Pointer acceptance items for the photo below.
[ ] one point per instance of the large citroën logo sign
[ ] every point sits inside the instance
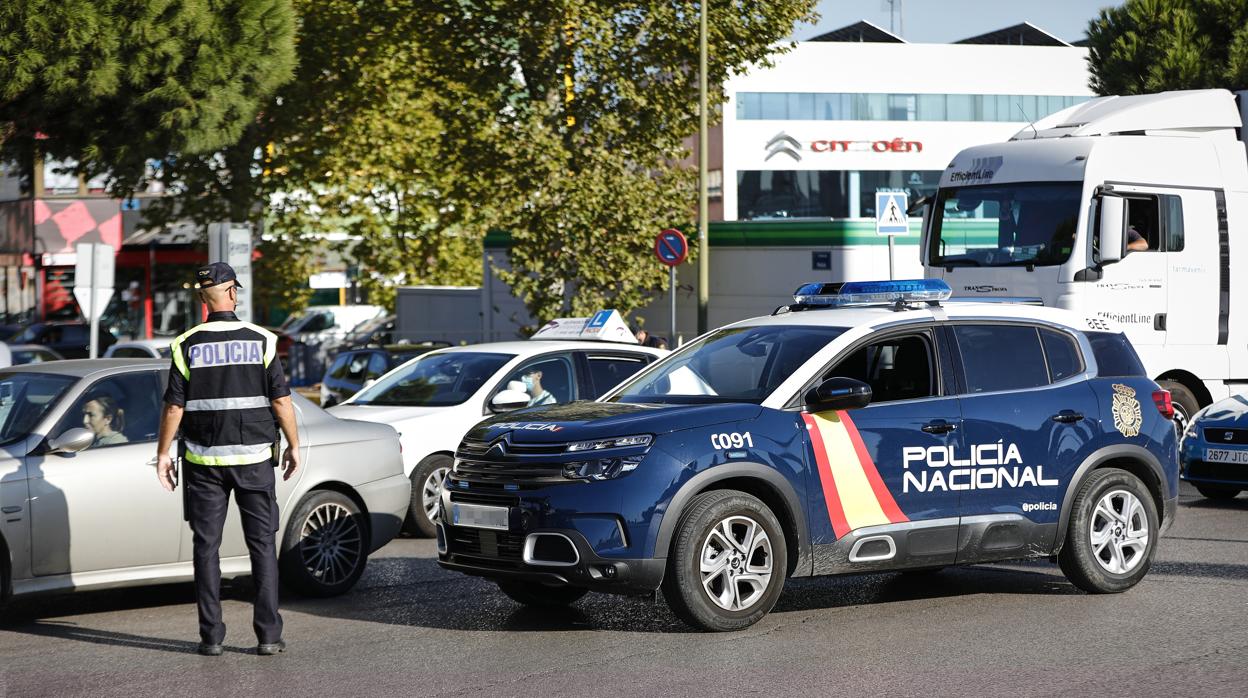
(783, 143)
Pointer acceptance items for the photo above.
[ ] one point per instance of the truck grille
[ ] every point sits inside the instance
(1226, 436)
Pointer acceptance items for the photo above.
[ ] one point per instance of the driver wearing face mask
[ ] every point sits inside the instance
(533, 385)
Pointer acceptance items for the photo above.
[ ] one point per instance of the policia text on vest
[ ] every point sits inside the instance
(228, 395)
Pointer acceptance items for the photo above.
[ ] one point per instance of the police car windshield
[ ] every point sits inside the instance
(1003, 225)
(25, 398)
(737, 364)
(434, 380)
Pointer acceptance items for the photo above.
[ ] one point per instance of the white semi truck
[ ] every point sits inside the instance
(1132, 209)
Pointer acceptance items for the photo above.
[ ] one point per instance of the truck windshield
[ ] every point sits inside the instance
(434, 380)
(1003, 225)
(735, 364)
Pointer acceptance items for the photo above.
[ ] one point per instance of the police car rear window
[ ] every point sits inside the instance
(1114, 355)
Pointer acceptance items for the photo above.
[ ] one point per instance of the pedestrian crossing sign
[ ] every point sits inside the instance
(890, 213)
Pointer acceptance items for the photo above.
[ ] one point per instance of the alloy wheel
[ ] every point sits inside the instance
(736, 563)
(1119, 531)
(431, 492)
(330, 543)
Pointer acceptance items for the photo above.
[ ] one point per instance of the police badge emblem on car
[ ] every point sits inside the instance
(1126, 409)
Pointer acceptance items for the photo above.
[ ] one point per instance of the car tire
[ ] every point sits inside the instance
(541, 595)
(426, 502)
(1112, 534)
(725, 539)
(1185, 403)
(325, 548)
(1219, 492)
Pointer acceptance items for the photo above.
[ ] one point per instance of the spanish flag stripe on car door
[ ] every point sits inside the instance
(855, 494)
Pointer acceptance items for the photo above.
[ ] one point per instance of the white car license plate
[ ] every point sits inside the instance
(479, 516)
(1226, 455)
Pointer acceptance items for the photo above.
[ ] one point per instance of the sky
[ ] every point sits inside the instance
(944, 21)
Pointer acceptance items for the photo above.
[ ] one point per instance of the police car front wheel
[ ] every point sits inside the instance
(728, 562)
(1112, 534)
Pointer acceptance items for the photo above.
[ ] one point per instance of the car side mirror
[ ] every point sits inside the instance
(838, 393)
(1112, 247)
(507, 400)
(72, 441)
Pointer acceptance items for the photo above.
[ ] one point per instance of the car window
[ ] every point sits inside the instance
(73, 334)
(318, 323)
(31, 356)
(548, 381)
(607, 371)
(734, 364)
(896, 368)
(1114, 354)
(1062, 353)
(376, 366)
(338, 369)
(130, 353)
(119, 410)
(356, 366)
(434, 380)
(25, 398)
(1001, 357)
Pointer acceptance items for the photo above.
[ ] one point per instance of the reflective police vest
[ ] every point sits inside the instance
(228, 418)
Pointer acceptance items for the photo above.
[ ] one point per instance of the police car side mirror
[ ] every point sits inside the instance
(1112, 245)
(838, 393)
(72, 441)
(508, 400)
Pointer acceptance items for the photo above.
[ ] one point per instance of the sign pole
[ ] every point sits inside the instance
(95, 317)
(891, 220)
(671, 247)
(891, 276)
(671, 291)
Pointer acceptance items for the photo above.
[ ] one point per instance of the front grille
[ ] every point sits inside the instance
(478, 497)
(1220, 436)
(502, 461)
(485, 544)
(1200, 470)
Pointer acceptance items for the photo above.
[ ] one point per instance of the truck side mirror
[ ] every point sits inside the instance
(838, 393)
(1112, 247)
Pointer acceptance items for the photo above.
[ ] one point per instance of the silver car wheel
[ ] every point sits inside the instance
(1119, 531)
(431, 492)
(330, 543)
(736, 563)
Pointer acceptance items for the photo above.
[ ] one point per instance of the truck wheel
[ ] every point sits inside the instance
(728, 562)
(540, 595)
(1221, 492)
(426, 502)
(325, 549)
(1112, 534)
(1184, 401)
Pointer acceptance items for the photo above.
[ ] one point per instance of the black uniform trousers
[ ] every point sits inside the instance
(208, 491)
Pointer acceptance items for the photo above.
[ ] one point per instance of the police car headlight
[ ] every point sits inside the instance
(600, 468)
(614, 442)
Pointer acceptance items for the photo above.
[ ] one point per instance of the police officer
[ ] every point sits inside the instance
(225, 391)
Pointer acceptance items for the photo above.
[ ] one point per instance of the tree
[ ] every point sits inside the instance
(1157, 45)
(570, 116)
(111, 83)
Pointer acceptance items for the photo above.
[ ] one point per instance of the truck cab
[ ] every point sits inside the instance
(1122, 209)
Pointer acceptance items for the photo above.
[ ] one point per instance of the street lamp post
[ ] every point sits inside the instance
(704, 245)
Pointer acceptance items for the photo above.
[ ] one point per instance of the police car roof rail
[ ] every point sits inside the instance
(900, 295)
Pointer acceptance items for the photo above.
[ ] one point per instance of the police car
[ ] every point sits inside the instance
(866, 429)
(434, 399)
(1214, 451)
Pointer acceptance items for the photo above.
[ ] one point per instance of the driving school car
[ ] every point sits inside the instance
(1214, 452)
(862, 429)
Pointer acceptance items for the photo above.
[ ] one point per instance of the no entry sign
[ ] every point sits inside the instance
(671, 247)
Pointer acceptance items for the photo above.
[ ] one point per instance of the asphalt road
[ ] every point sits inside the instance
(410, 628)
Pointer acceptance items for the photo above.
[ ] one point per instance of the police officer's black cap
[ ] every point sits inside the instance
(215, 274)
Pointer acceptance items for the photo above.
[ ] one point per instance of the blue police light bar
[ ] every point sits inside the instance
(867, 292)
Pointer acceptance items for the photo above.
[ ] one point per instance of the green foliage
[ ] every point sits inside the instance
(111, 83)
(1156, 45)
(570, 117)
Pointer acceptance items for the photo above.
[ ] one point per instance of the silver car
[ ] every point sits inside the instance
(80, 506)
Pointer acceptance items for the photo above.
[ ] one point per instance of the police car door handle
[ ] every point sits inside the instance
(1067, 417)
(939, 426)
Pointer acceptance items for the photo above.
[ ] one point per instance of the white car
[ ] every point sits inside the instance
(434, 399)
(157, 348)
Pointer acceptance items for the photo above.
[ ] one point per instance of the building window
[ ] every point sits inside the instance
(785, 194)
(845, 106)
(715, 184)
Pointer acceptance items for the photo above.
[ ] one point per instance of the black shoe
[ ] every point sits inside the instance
(271, 648)
(210, 650)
